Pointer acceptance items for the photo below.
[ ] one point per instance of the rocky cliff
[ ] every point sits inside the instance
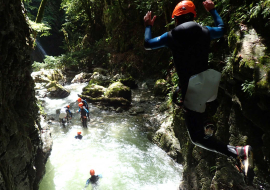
(22, 154)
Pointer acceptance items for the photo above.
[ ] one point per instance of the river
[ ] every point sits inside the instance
(113, 145)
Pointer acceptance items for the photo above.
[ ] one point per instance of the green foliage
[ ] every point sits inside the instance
(249, 87)
(41, 108)
(50, 62)
(41, 28)
(156, 6)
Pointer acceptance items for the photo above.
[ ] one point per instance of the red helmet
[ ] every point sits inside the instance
(79, 132)
(79, 100)
(92, 172)
(68, 106)
(184, 7)
(80, 104)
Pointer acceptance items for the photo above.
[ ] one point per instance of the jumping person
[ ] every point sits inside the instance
(190, 43)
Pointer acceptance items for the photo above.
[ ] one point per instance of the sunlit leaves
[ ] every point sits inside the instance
(41, 28)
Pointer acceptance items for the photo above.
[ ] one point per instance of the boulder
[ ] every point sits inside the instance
(94, 90)
(100, 79)
(82, 77)
(48, 75)
(100, 70)
(129, 81)
(117, 89)
(56, 90)
(161, 87)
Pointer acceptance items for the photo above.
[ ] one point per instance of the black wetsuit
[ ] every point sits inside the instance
(78, 137)
(93, 179)
(189, 43)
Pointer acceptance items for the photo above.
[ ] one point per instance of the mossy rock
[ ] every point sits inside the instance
(161, 88)
(118, 89)
(56, 90)
(93, 90)
(47, 75)
(100, 79)
(55, 75)
(82, 77)
(129, 81)
(100, 70)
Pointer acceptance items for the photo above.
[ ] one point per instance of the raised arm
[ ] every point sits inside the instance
(149, 42)
(219, 30)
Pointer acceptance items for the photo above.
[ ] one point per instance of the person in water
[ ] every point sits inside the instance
(83, 110)
(80, 100)
(79, 136)
(93, 179)
(190, 43)
(65, 113)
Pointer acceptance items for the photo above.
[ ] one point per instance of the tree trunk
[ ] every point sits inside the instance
(41, 11)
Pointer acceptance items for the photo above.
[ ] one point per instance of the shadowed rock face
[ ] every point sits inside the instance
(20, 142)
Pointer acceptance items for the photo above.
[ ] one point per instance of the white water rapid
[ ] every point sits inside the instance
(112, 145)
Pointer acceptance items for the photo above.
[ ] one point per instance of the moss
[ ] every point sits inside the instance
(93, 90)
(99, 82)
(129, 81)
(117, 89)
(161, 87)
(233, 38)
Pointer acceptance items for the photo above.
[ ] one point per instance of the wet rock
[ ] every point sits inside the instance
(100, 70)
(100, 79)
(81, 78)
(161, 88)
(129, 81)
(56, 90)
(47, 75)
(94, 90)
(117, 89)
(136, 110)
(144, 85)
(119, 110)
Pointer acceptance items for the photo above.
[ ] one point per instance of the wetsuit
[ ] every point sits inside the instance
(64, 112)
(93, 180)
(84, 112)
(189, 43)
(79, 137)
(86, 106)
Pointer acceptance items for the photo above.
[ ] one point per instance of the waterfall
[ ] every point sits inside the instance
(40, 49)
(38, 54)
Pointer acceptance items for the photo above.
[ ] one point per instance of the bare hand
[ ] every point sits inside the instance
(147, 19)
(208, 5)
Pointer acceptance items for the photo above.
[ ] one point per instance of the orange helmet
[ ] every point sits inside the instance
(92, 172)
(79, 100)
(79, 132)
(80, 104)
(68, 106)
(184, 7)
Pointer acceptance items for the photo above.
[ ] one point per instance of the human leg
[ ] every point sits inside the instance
(195, 123)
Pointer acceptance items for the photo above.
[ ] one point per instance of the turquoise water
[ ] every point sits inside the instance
(113, 145)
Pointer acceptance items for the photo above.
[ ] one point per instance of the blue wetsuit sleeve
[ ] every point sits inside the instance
(87, 183)
(86, 110)
(218, 30)
(154, 43)
(79, 110)
(69, 112)
(86, 105)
